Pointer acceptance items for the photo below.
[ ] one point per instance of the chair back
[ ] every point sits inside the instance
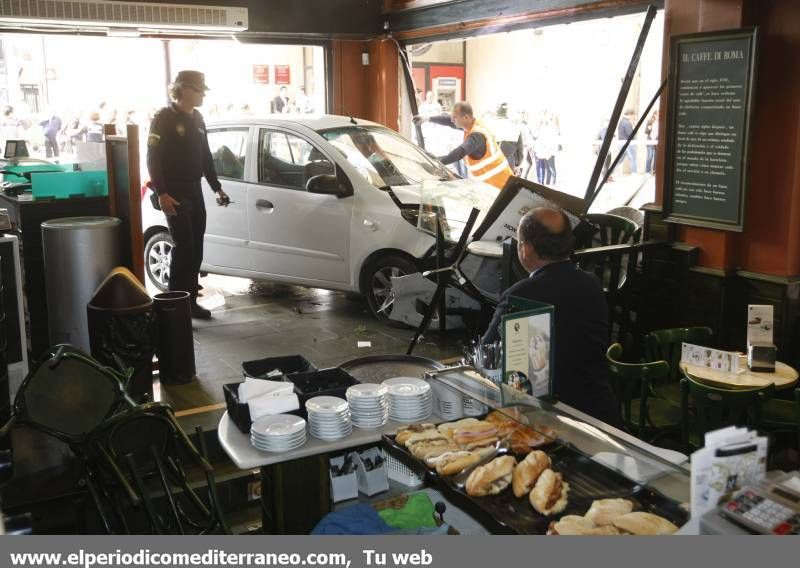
(714, 408)
(136, 461)
(666, 344)
(631, 381)
(604, 229)
(67, 394)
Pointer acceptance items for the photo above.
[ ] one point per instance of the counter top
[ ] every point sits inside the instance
(245, 456)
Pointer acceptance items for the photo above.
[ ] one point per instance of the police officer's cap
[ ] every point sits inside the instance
(193, 79)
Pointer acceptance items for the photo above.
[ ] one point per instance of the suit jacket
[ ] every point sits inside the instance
(580, 339)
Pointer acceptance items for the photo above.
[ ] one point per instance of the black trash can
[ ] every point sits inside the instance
(175, 346)
(122, 329)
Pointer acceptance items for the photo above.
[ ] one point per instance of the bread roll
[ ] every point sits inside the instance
(571, 525)
(431, 448)
(406, 431)
(604, 511)
(486, 441)
(492, 478)
(426, 436)
(474, 432)
(447, 428)
(528, 471)
(456, 462)
(642, 523)
(549, 495)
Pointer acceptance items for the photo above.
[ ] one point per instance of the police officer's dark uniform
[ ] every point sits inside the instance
(177, 156)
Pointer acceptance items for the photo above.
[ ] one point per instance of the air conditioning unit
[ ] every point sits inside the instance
(114, 15)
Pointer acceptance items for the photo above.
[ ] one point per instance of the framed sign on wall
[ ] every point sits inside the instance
(712, 77)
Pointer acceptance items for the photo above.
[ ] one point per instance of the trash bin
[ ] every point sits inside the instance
(122, 329)
(175, 346)
(78, 253)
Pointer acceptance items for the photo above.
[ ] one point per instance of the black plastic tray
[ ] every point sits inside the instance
(325, 382)
(287, 365)
(506, 514)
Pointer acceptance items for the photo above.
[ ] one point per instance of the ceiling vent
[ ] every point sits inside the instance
(109, 14)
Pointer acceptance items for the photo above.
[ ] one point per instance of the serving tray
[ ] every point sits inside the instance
(506, 514)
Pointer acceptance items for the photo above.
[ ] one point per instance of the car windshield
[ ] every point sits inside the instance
(385, 158)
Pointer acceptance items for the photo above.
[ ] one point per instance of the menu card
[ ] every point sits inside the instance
(712, 358)
(759, 323)
(528, 356)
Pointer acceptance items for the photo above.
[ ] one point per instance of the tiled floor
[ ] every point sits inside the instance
(253, 320)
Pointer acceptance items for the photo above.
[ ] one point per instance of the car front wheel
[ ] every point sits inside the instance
(378, 283)
(157, 259)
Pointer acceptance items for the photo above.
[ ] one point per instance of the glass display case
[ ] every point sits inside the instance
(596, 460)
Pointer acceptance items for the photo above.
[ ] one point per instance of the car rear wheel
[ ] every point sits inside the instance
(157, 259)
(378, 283)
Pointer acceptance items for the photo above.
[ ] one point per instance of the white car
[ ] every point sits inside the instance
(315, 201)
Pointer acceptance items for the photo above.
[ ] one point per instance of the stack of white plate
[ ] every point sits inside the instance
(369, 405)
(329, 417)
(410, 399)
(278, 433)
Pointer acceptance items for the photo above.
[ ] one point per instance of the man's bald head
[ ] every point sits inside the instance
(548, 231)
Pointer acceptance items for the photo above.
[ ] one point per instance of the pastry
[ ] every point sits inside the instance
(406, 431)
(492, 478)
(447, 428)
(451, 463)
(528, 471)
(641, 523)
(549, 495)
(604, 511)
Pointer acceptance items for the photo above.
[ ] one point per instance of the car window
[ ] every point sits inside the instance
(228, 149)
(289, 161)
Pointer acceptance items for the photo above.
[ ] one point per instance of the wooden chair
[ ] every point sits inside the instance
(644, 415)
(665, 344)
(714, 408)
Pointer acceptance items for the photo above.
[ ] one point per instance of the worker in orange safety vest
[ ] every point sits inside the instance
(485, 160)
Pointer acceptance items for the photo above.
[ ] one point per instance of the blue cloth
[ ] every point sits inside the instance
(357, 519)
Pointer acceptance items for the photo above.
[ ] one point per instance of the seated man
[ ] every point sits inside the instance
(581, 313)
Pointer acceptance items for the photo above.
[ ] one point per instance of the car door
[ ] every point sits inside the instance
(226, 237)
(295, 234)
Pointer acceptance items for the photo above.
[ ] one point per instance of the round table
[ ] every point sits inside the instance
(784, 376)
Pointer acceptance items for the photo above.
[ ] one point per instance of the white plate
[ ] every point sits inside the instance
(406, 386)
(278, 424)
(326, 404)
(367, 390)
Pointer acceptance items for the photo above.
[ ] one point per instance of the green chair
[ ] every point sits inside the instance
(714, 408)
(782, 415)
(646, 416)
(666, 344)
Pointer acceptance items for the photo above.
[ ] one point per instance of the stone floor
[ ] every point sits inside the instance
(253, 320)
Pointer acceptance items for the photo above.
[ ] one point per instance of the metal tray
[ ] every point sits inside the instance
(506, 514)
(377, 368)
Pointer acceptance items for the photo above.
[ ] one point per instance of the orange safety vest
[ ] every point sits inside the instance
(492, 167)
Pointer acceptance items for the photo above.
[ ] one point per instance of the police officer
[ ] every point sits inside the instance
(177, 156)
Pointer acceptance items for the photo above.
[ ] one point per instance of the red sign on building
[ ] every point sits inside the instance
(282, 75)
(261, 74)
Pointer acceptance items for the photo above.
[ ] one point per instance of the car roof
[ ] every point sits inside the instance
(315, 122)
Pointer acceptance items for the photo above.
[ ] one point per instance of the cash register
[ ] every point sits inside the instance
(16, 167)
(770, 507)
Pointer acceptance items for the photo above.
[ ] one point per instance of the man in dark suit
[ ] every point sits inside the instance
(581, 313)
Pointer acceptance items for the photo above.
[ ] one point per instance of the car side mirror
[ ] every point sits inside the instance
(326, 184)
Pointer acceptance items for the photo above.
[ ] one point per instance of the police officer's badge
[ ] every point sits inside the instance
(180, 129)
(152, 139)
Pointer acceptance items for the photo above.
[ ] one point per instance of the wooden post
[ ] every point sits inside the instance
(135, 203)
